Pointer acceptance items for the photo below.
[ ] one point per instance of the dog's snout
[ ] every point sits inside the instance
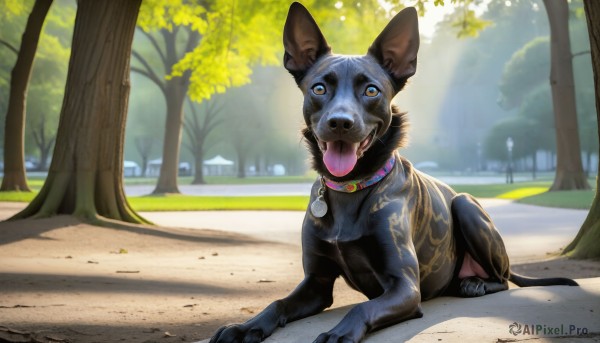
(340, 123)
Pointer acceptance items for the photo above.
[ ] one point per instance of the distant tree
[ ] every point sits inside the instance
(201, 120)
(526, 70)
(587, 242)
(144, 145)
(521, 130)
(86, 174)
(14, 130)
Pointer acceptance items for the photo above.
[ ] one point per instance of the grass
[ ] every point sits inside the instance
(229, 180)
(214, 203)
(531, 192)
(563, 199)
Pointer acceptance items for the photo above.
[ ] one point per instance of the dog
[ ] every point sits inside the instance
(398, 236)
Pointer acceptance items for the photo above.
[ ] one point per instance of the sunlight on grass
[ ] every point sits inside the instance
(215, 203)
(522, 193)
(17, 196)
(562, 199)
(532, 192)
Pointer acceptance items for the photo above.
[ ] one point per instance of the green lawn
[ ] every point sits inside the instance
(532, 192)
(206, 203)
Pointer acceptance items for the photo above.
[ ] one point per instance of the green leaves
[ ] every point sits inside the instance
(165, 14)
(469, 25)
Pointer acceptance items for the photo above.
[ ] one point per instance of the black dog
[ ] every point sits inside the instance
(394, 234)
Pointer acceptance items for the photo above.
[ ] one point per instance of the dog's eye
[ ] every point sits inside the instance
(371, 91)
(319, 89)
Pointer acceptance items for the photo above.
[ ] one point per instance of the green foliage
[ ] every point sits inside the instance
(528, 68)
(470, 24)
(12, 9)
(165, 14)
(523, 132)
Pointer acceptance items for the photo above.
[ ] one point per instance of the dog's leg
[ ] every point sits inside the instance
(401, 296)
(485, 267)
(312, 296)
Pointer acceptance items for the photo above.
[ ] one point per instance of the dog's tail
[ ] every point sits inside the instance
(525, 281)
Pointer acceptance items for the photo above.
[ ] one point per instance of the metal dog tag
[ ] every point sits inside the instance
(319, 207)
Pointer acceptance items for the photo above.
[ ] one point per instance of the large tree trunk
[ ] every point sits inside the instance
(569, 169)
(14, 131)
(587, 242)
(86, 174)
(175, 90)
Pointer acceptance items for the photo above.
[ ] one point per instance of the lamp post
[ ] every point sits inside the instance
(509, 169)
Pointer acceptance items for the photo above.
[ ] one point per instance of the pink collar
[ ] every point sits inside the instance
(357, 185)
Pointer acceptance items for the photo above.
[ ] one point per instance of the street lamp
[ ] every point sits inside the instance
(509, 170)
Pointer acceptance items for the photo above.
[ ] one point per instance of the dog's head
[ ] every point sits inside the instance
(352, 126)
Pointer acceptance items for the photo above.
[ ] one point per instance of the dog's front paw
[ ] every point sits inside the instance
(343, 333)
(472, 287)
(237, 333)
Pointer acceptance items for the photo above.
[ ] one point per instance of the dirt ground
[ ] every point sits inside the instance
(64, 281)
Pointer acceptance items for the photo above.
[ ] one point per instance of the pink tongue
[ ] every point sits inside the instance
(340, 157)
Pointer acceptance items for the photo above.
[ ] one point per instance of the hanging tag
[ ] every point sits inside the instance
(319, 207)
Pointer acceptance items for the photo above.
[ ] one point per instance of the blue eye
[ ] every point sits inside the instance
(319, 89)
(371, 91)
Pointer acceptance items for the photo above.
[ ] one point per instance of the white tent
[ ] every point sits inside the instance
(218, 161)
(218, 165)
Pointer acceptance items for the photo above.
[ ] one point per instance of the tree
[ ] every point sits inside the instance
(14, 137)
(198, 126)
(569, 168)
(526, 70)
(86, 174)
(144, 145)
(586, 243)
(174, 89)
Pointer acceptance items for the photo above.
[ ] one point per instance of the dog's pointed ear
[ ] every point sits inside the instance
(397, 45)
(303, 41)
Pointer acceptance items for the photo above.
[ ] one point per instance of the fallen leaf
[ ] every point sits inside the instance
(215, 254)
(168, 334)
(246, 310)
(265, 281)
(93, 262)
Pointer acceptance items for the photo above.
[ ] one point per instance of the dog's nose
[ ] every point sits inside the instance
(340, 123)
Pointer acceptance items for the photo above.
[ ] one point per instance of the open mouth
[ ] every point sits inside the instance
(340, 156)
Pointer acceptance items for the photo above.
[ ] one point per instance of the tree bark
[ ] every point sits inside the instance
(587, 242)
(569, 169)
(175, 89)
(86, 174)
(199, 167)
(14, 131)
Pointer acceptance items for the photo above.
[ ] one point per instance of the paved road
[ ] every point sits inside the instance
(529, 231)
(230, 190)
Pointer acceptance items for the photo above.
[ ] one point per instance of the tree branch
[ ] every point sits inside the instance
(156, 47)
(148, 72)
(581, 53)
(9, 46)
